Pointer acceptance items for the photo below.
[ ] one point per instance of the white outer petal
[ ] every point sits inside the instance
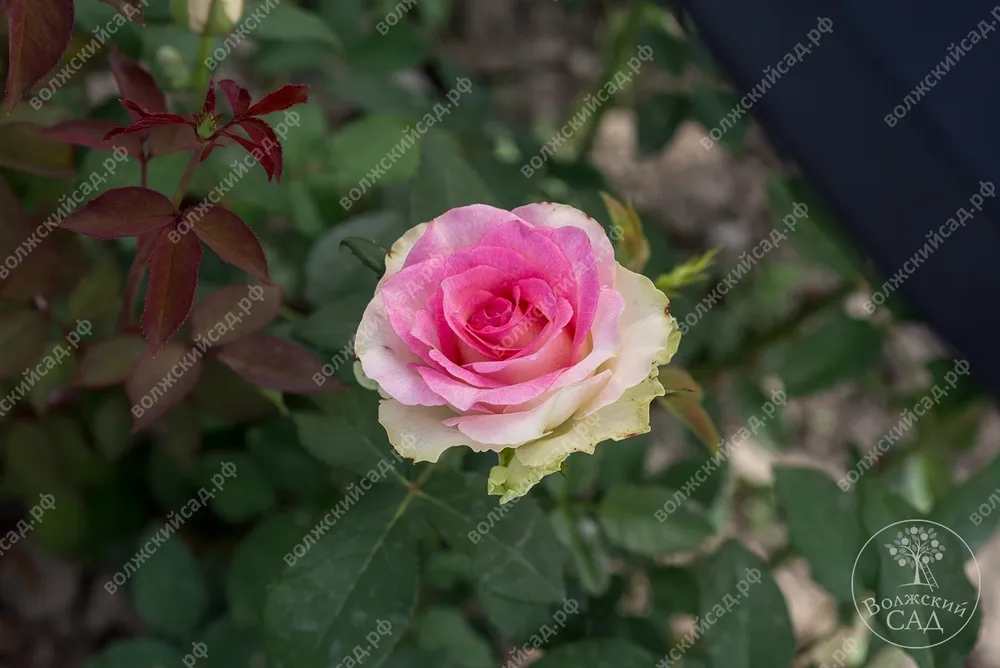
(627, 417)
(513, 429)
(418, 432)
(400, 249)
(649, 337)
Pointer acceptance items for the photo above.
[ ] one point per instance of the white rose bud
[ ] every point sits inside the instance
(214, 17)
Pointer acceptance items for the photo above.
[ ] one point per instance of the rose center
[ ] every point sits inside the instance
(495, 313)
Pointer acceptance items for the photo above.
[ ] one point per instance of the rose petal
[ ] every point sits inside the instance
(407, 293)
(400, 250)
(556, 216)
(386, 359)
(418, 433)
(456, 230)
(568, 261)
(649, 336)
(514, 429)
(627, 417)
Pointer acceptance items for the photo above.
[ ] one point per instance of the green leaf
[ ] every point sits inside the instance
(886, 517)
(589, 556)
(446, 569)
(360, 573)
(357, 148)
(957, 508)
(448, 631)
(168, 589)
(63, 528)
(332, 272)
(444, 179)
(243, 495)
(260, 559)
(78, 461)
(331, 328)
(675, 592)
(97, 293)
(598, 653)
(824, 525)
(369, 252)
(815, 236)
(773, 430)
(710, 106)
(515, 620)
(757, 632)
(111, 425)
(684, 470)
(850, 349)
(286, 22)
(230, 646)
(381, 55)
(669, 53)
(275, 447)
(658, 118)
(628, 515)
(348, 434)
(304, 141)
(142, 653)
(518, 557)
(419, 658)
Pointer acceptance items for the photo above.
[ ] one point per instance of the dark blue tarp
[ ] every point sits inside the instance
(887, 186)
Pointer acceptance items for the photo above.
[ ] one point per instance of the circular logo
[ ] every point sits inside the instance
(924, 597)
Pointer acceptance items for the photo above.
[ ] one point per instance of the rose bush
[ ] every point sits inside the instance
(515, 332)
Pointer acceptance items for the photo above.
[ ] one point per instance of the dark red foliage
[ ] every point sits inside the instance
(260, 139)
(39, 31)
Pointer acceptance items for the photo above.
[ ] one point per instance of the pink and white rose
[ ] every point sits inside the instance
(515, 332)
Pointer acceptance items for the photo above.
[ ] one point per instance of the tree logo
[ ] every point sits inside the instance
(922, 595)
(917, 547)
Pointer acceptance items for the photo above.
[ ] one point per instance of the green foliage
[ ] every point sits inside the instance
(326, 549)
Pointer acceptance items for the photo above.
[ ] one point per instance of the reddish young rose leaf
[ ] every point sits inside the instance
(274, 364)
(144, 250)
(109, 362)
(251, 307)
(91, 132)
(39, 32)
(231, 239)
(145, 119)
(239, 97)
(122, 212)
(287, 96)
(136, 84)
(173, 277)
(149, 372)
(24, 148)
(130, 9)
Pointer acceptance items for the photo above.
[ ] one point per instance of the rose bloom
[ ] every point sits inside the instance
(515, 332)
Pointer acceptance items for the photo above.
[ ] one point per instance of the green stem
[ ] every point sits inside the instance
(200, 79)
(185, 181)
